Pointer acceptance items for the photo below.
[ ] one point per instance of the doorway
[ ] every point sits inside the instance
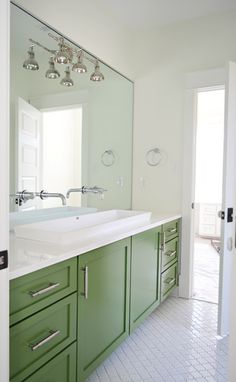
(208, 193)
(61, 152)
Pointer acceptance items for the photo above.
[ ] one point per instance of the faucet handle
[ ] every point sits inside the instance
(99, 190)
(43, 195)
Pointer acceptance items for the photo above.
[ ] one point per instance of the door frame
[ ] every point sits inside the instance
(4, 187)
(193, 82)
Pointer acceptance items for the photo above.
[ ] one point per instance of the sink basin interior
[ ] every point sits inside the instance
(73, 229)
(28, 217)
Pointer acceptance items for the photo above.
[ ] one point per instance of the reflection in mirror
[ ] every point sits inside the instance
(67, 110)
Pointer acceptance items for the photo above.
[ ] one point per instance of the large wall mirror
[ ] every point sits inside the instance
(68, 129)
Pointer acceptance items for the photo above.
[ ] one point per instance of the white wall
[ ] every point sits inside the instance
(170, 53)
(209, 147)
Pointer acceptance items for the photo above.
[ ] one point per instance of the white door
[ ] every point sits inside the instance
(229, 189)
(28, 145)
(4, 189)
(217, 77)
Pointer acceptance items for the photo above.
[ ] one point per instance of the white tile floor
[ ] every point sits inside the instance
(177, 342)
(206, 271)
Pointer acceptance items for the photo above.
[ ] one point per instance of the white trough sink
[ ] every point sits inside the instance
(74, 229)
(27, 217)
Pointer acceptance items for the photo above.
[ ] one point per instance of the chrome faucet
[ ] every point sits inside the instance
(85, 190)
(22, 196)
(44, 195)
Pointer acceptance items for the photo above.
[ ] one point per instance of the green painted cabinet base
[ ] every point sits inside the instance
(40, 337)
(145, 280)
(93, 302)
(62, 368)
(103, 307)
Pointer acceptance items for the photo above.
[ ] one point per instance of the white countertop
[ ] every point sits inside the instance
(26, 256)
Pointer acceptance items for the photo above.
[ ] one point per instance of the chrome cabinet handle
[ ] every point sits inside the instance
(50, 287)
(172, 230)
(85, 293)
(169, 281)
(52, 334)
(170, 253)
(163, 240)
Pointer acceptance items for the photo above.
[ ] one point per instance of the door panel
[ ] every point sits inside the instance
(103, 311)
(144, 274)
(29, 155)
(229, 176)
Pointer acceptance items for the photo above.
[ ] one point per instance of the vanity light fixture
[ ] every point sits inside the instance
(64, 54)
(97, 75)
(30, 63)
(79, 66)
(52, 73)
(67, 80)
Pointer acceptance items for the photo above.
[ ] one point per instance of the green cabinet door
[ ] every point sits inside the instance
(103, 304)
(145, 279)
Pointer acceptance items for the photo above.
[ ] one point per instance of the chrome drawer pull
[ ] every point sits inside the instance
(170, 253)
(169, 281)
(85, 293)
(44, 290)
(52, 334)
(163, 240)
(172, 230)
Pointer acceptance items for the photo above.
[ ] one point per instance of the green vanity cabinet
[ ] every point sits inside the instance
(145, 280)
(43, 320)
(103, 308)
(67, 318)
(169, 248)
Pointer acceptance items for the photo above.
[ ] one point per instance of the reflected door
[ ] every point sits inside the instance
(28, 144)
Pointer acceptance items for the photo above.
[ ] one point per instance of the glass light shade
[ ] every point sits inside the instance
(52, 73)
(97, 75)
(79, 67)
(67, 81)
(30, 63)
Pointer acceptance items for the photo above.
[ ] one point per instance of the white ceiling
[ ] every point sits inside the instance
(143, 14)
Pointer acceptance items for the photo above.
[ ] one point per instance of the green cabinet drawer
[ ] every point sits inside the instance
(171, 230)
(37, 339)
(169, 280)
(170, 253)
(33, 292)
(62, 368)
(145, 288)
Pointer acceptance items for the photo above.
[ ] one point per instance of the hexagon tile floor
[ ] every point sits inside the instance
(177, 342)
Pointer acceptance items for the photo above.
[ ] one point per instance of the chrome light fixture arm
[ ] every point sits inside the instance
(77, 52)
(42, 46)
